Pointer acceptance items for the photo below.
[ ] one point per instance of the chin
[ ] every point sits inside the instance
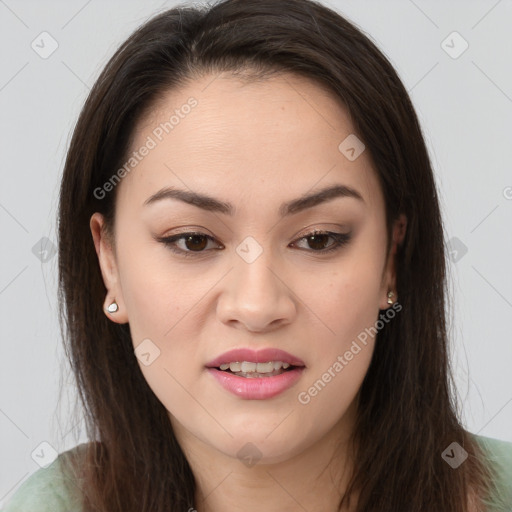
(262, 448)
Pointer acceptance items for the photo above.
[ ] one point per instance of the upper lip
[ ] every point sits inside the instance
(255, 356)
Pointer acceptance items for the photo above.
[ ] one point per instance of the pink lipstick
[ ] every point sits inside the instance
(256, 374)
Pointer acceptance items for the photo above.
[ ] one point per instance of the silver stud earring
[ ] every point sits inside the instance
(390, 294)
(112, 308)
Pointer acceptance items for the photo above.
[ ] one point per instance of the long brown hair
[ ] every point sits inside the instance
(407, 412)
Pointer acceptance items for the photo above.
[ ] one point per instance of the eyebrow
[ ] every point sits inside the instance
(289, 208)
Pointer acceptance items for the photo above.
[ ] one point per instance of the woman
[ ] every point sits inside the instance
(252, 273)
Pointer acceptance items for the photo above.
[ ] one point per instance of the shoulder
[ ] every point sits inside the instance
(496, 450)
(499, 454)
(48, 489)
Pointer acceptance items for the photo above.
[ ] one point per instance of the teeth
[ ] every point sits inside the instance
(249, 367)
(256, 375)
(264, 367)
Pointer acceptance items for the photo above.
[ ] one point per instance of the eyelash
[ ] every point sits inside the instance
(340, 240)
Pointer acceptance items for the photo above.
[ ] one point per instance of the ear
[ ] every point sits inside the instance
(109, 270)
(389, 276)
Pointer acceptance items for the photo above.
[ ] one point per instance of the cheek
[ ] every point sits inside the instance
(342, 348)
(342, 345)
(348, 299)
(162, 306)
(341, 355)
(153, 291)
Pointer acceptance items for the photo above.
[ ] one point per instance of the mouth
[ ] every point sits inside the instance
(251, 363)
(256, 375)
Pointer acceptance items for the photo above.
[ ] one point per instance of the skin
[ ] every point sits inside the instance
(255, 146)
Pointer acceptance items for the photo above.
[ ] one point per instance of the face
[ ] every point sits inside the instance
(253, 275)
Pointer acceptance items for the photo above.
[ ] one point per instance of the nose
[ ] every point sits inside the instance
(256, 296)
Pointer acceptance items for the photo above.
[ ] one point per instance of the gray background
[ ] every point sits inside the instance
(464, 104)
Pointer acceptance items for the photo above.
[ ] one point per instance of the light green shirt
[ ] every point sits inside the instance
(44, 490)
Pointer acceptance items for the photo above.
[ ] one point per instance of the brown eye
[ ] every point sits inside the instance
(196, 242)
(316, 241)
(191, 243)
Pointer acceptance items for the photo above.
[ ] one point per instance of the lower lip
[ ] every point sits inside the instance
(257, 388)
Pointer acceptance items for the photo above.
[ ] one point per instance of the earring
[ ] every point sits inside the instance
(390, 294)
(112, 308)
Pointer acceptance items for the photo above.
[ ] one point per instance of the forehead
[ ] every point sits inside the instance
(217, 134)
